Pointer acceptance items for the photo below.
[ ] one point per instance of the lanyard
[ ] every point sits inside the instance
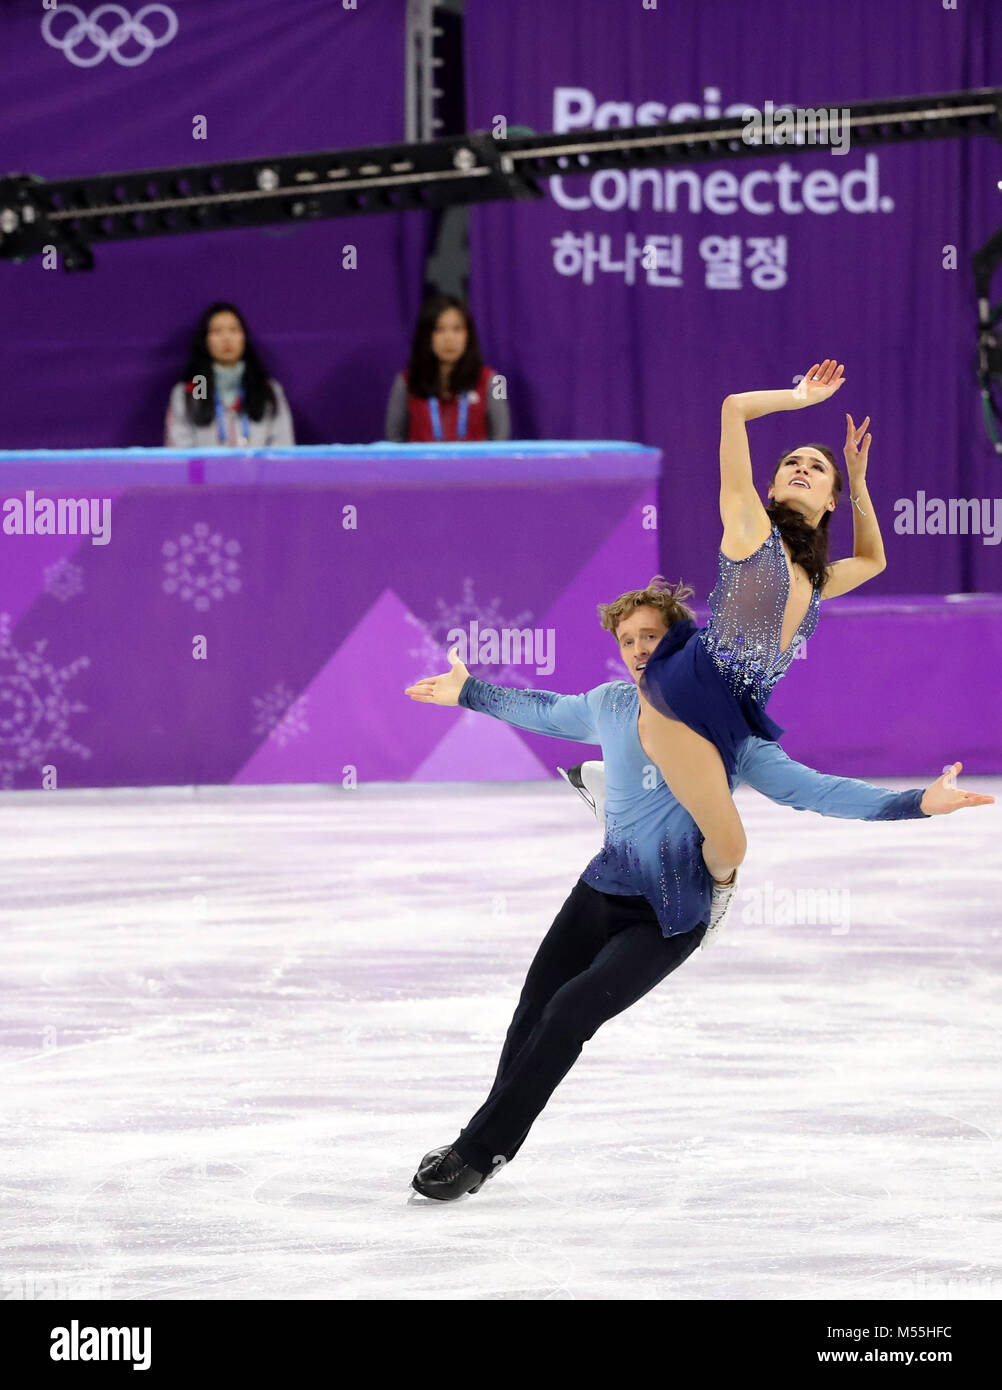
(436, 419)
(244, 435)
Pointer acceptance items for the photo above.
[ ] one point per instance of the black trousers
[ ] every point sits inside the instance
(603, 952)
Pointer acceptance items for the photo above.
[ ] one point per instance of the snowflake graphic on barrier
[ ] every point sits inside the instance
(63, 580)
(279, 714)
(460, 615)
(202, 566)
(35, 709)
(429, 655)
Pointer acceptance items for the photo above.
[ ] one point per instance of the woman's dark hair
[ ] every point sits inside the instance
(256, 391)
(808, 545)
(423, 367)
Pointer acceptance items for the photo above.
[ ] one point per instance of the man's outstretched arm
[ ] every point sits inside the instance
(764, 766)
(536, 711)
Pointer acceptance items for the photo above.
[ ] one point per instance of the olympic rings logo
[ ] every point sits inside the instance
(92, 27)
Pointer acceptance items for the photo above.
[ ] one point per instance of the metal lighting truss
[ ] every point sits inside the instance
(986, 261)
(75, 214)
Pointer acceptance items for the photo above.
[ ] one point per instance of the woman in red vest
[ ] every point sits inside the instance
(446, 394)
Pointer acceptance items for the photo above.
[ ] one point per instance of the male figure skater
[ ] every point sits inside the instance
(617, 935)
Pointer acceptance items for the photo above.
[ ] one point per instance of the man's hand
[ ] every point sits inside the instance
(441, 690)
(945, 796)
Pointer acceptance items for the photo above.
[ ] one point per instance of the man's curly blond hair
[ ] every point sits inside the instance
(666, 598)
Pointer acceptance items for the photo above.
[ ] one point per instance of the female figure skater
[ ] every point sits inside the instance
(704, 690)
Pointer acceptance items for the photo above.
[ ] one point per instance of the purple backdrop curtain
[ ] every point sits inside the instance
(652, 362)
(88, 359)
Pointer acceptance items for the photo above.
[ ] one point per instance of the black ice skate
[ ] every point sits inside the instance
(442, 1174)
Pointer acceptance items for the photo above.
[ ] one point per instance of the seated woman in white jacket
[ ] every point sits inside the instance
(226, 398)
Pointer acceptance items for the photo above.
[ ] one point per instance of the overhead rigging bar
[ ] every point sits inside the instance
(73, 214)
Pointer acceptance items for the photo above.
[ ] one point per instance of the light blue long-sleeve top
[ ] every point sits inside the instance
(652, 845)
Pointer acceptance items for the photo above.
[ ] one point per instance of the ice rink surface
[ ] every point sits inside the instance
(234, 1019)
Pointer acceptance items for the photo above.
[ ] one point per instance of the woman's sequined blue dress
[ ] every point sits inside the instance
(717, 679)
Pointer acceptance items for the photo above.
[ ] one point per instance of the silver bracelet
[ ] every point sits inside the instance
(855, 503)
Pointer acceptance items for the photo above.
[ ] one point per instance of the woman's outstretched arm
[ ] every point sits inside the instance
(745, 520)
(868, 557)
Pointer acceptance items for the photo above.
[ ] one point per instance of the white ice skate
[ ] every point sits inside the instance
(588, 780)
(720, 906)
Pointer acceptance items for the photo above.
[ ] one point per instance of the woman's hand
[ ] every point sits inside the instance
(855, 457)
(945, 796)
(822, 381)
(441, 690)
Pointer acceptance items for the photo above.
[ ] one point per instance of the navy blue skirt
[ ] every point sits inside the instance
(681, 682)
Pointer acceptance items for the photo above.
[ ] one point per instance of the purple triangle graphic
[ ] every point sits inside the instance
(479, 748)
(345, 728)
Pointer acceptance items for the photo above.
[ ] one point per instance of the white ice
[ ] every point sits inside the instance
(234, 1019)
